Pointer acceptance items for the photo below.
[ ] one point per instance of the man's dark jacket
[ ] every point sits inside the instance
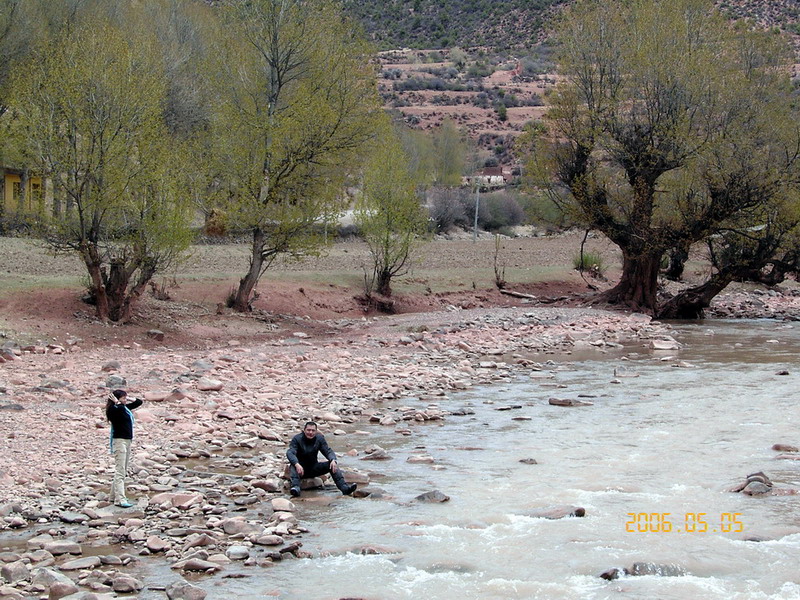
(304, 451)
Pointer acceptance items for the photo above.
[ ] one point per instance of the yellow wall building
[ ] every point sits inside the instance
(19, 201)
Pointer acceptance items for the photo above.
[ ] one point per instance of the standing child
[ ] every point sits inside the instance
(118, 412)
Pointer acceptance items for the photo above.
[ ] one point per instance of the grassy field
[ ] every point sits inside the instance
(440, 266)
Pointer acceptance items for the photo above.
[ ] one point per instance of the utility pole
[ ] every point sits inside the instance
(477, 205)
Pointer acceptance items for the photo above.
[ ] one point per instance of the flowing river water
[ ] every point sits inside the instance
(651, 461)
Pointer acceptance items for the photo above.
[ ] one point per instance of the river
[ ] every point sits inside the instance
(651, 461)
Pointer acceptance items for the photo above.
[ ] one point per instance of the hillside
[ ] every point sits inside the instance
(488, 65)
(448, 23)
(504, 24)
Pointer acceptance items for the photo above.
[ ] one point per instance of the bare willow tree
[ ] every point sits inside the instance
(669, 124)
(297, 102)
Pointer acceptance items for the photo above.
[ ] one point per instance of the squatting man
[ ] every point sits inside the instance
(303, 460)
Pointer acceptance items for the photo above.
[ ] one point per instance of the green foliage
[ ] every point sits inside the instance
(296, 105)
(389, 214)
(589, 261)
(542, 210)
(449, 154)
(91, 118)
(502, 112)
(496, 211)
(444, 23)
(669, 124)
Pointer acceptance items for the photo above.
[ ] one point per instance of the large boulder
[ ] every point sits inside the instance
(432, 496)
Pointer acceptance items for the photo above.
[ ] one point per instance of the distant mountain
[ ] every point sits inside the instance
(501, 24)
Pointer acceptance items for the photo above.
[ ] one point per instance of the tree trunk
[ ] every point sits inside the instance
(677, 261)
(691, 303)
(94, 266)
(383, 285)
(638, 286)
(241, 301)
(122, 294)
(116, 286)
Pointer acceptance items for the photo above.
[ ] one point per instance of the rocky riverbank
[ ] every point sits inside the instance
(210, 439)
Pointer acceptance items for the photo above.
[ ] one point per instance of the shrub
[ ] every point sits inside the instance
(502, 112)
(502, 210)
(541, 209)
(13, 224)
(588, 261)
(446, 209)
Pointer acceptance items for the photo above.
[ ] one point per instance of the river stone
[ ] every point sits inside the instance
(268, 485)
(48, 577)
(558, 512)
(116, 381)
(219, 559)
(62, 589)
(282, 505)
(789, 456)
(59, 547)
(425, 459)
(433, 496)
(238, 526)
(376, 453)
(312, 483)
(125, 584)
(156, 544)
(569, 402)
(181, 500)
(15, 571)
(73, 517)
(528, 461)
(40, 557)
(612, 573)
(785, 448)
(15, 522)
(177, 394)
(112, 365)
(268, 540)
(206, 384)
(756, 488)
(665, 343)
(196, 540)
(197, 564)
(238, 552)
(87, 562)
(356, 477)
(156, 334)
(269, 435)
(183, 590)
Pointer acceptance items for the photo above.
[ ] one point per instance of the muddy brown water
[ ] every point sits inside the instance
(651, 461)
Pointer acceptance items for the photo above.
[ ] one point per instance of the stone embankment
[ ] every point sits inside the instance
(209, 448)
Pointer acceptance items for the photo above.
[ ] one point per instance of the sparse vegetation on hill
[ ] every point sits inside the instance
(448, 23)
(502, 24)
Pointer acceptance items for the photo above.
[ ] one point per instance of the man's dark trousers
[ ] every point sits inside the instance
(315, 470)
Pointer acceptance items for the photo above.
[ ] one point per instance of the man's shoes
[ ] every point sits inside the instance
(124, 504)
(350, 489)
(294, 491)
